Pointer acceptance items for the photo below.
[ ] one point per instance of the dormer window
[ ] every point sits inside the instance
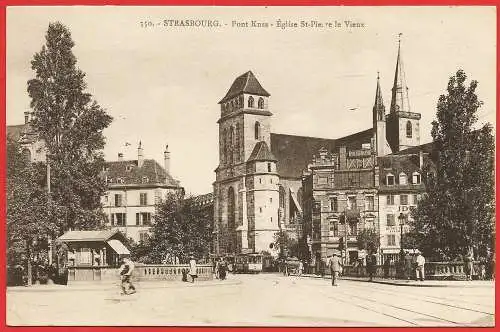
(261, 103)
(403, 179)
(390, 179)
(129, 168)
(145, 179)
(416, 178)
(250, 102)
(119, 180)
(110, 180)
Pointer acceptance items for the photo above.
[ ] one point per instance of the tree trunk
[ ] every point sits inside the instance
(30, 273)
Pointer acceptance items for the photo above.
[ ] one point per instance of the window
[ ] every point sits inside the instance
(270, 199)
(146, 218)
(370, 203)
(261, 103)
(351, 202)
(260, 210)
(257, 130)
(112, 219)
(269, 167)
(143, 199)
(391, 240)
(120, 219)
(143, 236)
(145, 179)
(129, 168)
(85, 256)
(403, 199)
(106, 198)
(408, 129)
(391, 221)
(416, 178)
(250, 102)
(119, 180)
(137, 218)
(390, 199)
(118, 200)
(260, 180)
(403, 179)
(390, 179)
(334, 204)
(415, 199)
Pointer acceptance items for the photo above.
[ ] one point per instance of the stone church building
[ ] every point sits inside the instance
(264, 182)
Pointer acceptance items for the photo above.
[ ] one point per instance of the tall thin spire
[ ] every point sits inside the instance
(378, 106)
(400, 100)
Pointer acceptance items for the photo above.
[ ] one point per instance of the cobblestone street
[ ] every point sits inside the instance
(256, 300)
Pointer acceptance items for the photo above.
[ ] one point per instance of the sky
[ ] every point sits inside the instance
(162, 84)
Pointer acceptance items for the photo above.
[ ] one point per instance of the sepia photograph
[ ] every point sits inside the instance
(316, 166)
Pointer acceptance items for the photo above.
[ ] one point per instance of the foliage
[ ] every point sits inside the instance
(457, 210)
(70, 123)
(181, 227)
(286, 243)
(29, 212)
(368, 239)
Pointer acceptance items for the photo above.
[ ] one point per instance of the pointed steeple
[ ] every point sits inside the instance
(400, 101)
(378, 106)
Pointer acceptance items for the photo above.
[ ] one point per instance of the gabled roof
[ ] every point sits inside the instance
(294, 153)
(78, 236)
(261, 152)
(130, 173)
(246, 83)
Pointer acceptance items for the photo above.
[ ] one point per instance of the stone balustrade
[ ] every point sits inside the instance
(142, 272)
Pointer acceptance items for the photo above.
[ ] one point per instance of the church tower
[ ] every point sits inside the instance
(379, 127)
(246, 187)
(403, 126)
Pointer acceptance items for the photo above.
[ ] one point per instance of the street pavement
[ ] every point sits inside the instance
(254, 300)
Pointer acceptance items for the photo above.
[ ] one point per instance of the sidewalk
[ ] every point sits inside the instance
(100, 285)
(414, 283)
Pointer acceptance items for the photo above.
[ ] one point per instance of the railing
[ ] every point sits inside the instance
(150, 272)
(433, 270)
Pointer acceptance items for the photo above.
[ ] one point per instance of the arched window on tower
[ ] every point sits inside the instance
(257, 130)
(408, 129)
(237, 143)
(224, 147)
(261, 103)
(231, 145)
(231, 219)
(250, 102)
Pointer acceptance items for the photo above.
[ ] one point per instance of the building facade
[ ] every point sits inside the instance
(134, 187)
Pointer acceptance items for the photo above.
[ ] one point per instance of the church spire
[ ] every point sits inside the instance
(378, 106)
(400, 101)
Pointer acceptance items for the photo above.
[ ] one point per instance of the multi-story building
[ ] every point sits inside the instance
(134, 187)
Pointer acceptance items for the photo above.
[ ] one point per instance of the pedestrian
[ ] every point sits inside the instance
(408, 265)
(469, 264)
(387, 267)
(300, 268)
(217, 268)
(222, 270)
(335, 268)
(192, 268)
(126, 270)
(420, 271)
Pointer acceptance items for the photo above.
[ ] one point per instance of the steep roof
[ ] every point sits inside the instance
(294, 153)
(246, 83)
(261, 152)
(132, 174)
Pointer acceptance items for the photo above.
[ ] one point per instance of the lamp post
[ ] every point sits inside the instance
(401, 219)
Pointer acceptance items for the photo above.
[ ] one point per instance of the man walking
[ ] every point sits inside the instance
(371, 264)
(126, 273)
(335, 268)
(420, 267)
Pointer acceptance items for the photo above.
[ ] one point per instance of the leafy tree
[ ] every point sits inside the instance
(29, 210)
(368, 239)
(285, 242)
(457, 210)
(70, 123)
(181, 227)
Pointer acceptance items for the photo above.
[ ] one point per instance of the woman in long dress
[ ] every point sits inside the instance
(192, 268)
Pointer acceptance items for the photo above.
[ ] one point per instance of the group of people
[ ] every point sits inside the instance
(220, 268)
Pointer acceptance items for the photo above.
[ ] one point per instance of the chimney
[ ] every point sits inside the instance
(120, 156)
(421, 159)
(140, 155)
(26, 117)
(166, 158)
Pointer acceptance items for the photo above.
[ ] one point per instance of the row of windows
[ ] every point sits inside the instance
(352, 203)
(238, 102)
(144, 179)
(120, 219)
(403, 199)
(118, 199)
(403, 179)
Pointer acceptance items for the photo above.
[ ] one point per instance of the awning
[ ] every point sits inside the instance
(295, 200)
(118, 247)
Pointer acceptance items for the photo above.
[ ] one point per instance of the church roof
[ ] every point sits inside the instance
(131, 174)
(246, 83)
(261, 152)
(400, 101)
(294, 153)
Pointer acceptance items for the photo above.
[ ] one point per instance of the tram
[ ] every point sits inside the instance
(248, 263)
